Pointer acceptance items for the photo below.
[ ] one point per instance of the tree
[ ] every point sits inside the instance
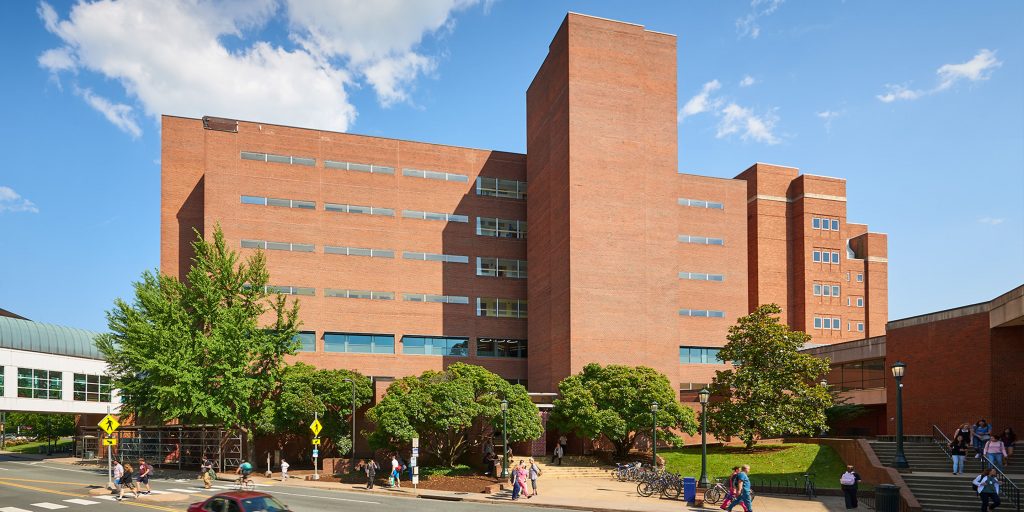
(615, 401)
(451, 411)
(196, 350)
(44, 427)
(306, 389)
(773, 389)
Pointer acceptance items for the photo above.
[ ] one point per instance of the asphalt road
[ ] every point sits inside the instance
(31, 486)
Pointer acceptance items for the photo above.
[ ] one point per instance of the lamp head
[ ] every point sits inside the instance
(654, 406)
(898, 369)
(504, 405)
(703, 395)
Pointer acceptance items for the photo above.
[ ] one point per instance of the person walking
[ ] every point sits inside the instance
(118, 472)
(514, 477)
(731, 493)
(204, 472)
(980, 434)
(564, 443)
(958, 451)
(126, 481)
(284, 470)
(994, 451)
(1009, 440)
(145, 470)
(988, 490)
(963, 430)
(490, 464)
(743, 490)
(534, 470)
(370, 467)
(523, 475)
(559, 452)
(849, 484)
(396, 472)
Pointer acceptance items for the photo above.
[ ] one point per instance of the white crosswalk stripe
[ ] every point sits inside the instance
(13, 509)
(105, 497)
(77, 501)
(49, 506)
(184, 491)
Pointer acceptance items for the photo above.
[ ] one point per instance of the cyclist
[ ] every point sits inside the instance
(244, 469)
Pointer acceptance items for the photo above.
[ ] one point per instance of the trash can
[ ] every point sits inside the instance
(89, 455)
(689, 489)
(887, 498)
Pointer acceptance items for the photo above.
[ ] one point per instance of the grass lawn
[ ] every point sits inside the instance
(775, 461)
(34, 446)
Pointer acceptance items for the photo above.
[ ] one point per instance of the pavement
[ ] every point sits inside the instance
(32, 484)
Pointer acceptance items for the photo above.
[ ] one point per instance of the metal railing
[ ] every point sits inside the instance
(1007, 487)
(794, 485)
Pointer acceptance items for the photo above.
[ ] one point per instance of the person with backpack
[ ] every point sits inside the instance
(958, 451)
(145, 471)
(396, 472)
(206, 472)
(743, 490)
(849, 484)
(988, 489)
(534, 474)
(980, 434)
(514, 478)
(118, 472)
(731, 492)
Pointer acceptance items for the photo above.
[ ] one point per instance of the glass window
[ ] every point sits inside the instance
(501, 228)
(291, 290)
(860, 327)
(860, 302)
(700, 240)
(426, 297)
(817, 256)
(826, 291)
(247, 155)
(254, 200)
(355, 343)
(271, 201)
(817, 322)
(817, 289)
(91, 388)
(281, 159)
(495, 347)
(435, 345)
(816, 223)
(501, 267)
(835, 291)
(836, 325)
(699, 355)
(307, 341)
(702, 313)
(500, 188)
(835, 224)
(436, 175)
(860, 278)
(358, 251)
(39, 384)
(835, 257)
(701, 204)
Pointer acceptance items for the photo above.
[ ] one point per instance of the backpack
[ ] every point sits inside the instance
(848, 478)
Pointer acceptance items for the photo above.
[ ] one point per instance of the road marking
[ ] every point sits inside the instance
(5, 481)
(325, 497)
(78, 501)
(49, 506)
(183, 491)
(13, 509)
(108, 498)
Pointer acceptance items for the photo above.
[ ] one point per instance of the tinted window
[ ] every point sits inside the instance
(262, 503)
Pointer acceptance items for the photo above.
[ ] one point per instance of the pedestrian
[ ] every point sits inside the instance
(1009, 440)
(958, 451)
(988, 489)
(284, 470)
(534, 470)
(370, 467)
(490, 464)
(963, 430)
(563, 442)
(118, 472)
(145, 470)
(994, 451)
(731, 493)
(488, 447)
(396, 472)
(980, 434)
(559, 452)
(514, 478)
(126, 481)
(849, 484)
(743, 490)
(523, 475)
(205, 472)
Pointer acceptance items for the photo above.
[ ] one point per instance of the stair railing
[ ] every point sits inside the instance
(940, 439)
(1006, 486)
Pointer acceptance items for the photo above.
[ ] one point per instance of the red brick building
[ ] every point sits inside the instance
(408, 256)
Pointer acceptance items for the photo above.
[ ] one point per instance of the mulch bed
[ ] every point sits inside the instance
(465, 483)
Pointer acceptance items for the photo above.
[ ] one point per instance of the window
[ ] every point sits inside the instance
(826, 291)
(436, 175)
(835, 224)
(2, 372)
(701, 204)
(427, 256)
(501, 228)
(869, 374)
(860, 326)
(817, 322)
(817, 289)
(835, 290)
(702, 313)
(501, 308)
(291, 290)
(848, 301)
(451, 217)
(39, 384)
(835, 257)
(496, 347)
(501, 267)
(435, 346)
(359, 343)
(358, 294)
(358, 251)
(278, 159)
(426, 297)
(816, 256)
(366, 210)
(697, 276)
(699, 355)
(307, 341)
(91, 388)
(273, 201)
(860, 302)
(860, 278)
(700, 240)
(836, 324)
(276, 246)
(500, 188)
(351, 166)
(847, 277)
(816, 223)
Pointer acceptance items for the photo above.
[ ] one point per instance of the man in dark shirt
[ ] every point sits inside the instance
(849, 483)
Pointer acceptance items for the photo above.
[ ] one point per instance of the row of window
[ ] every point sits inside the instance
(497, 187)
(860, 301)
(365, 210)
(825, 224)
(354, 343)
(428, 256)
(702, 312)
(447, 217)
(701, 204)
(501, 228)
(436, 175)
(834, 324)
(279, 159)
(690, 239)
(824, 290)
(277, 246)
(501, 308)
(868, 374)
(823, 256)
(699, 355)
(358, 294)
(273, 201)
(485, 306)
(49, 385)
(501, 267)
(352, 166)
(697, 276)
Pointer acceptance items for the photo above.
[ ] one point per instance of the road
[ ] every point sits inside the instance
(35, 486)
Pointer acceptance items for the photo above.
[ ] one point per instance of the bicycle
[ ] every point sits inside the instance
(715, 493)
(245, 483)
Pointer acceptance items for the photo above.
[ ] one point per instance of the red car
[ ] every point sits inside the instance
(239, 501)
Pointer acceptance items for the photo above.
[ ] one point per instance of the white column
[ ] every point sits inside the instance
(67, 386)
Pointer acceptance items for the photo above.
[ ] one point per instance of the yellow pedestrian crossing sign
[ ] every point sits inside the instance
(316, 427)
(316, 441)
(110, 441)
(109, 424)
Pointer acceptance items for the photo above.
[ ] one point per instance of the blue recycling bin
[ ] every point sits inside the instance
(689, 489)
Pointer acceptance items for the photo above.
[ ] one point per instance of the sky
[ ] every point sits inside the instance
(918, 105)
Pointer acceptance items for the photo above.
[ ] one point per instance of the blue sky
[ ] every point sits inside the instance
(919, 105)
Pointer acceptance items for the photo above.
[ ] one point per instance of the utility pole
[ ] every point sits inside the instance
(110, 465)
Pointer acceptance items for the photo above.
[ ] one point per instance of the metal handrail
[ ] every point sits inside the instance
(1006, 486)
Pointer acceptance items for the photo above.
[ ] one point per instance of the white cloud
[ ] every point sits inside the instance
(701, 102)
(750, 126)
(199, 58)
(11, 201)
(747, 81)
(828, 116)
(747, 25)
(991, 221)
(979, 68)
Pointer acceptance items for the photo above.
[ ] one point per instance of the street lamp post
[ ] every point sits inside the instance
(703, 396)
(504, 439)
(654, 436)
(352, 384)
(900, 461)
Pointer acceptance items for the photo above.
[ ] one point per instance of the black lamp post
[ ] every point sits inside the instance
(703, 396)
(654, 436)
(900, 461)
(352, 384)
(504, 438)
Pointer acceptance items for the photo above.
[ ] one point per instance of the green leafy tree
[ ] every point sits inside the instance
(306, 390)
(773, 389)
(452, 411)
(44, 427)
(615, 401)
(197, 350)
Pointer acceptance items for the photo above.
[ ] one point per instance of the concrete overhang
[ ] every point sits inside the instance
(1007, 310)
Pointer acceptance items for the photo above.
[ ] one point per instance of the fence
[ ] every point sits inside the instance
(167, 446)
(793, 485)
(1007, 487)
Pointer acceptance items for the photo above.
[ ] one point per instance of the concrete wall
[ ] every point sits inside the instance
(11, 360)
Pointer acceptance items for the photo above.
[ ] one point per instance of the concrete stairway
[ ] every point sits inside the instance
(572, 467)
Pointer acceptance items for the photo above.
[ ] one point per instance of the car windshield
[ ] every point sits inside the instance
(262, 504)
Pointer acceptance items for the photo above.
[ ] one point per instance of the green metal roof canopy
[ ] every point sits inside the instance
(47, 338)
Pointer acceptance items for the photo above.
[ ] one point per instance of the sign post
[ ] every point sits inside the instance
(109, 424)
(316, 427)
(412, 462)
